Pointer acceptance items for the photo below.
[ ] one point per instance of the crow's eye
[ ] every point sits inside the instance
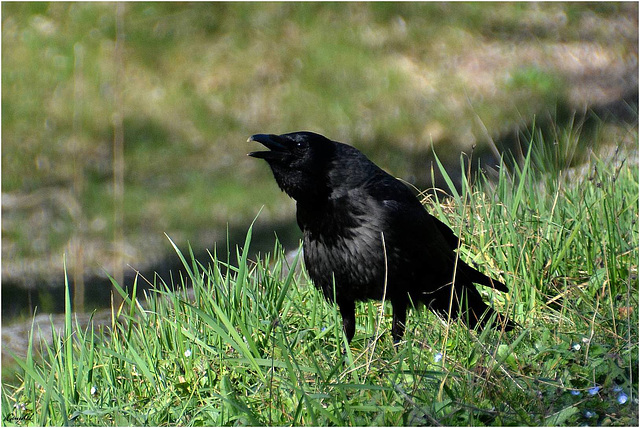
(300, 145)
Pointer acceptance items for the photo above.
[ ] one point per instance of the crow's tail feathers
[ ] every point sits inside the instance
(469, 307)
(470, 274)
(475, 312)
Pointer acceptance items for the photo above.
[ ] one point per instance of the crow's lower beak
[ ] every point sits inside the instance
(270, 141)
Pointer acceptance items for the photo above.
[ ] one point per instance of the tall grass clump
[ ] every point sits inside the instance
(256, 344)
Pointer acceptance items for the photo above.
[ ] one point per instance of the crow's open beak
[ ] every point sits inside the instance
(270, 141)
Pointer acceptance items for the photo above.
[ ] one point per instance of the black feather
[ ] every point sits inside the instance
(364, 229)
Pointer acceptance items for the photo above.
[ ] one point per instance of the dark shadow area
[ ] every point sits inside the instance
(512, 146)
(422, 173)
(19, 301)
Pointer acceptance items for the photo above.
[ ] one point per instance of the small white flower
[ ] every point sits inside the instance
(594, 390)
(187, 353)
(437, 357)
(576, 347)
(622, 398)
(93, 390)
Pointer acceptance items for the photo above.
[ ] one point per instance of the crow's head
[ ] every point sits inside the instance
(300, 162)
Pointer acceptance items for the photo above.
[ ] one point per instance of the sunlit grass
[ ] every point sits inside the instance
(256, 344)
(390, 78)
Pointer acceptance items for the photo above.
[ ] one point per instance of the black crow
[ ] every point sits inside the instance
(367, 236)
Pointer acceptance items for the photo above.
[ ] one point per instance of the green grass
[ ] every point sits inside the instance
(199, 78)
(256, 344)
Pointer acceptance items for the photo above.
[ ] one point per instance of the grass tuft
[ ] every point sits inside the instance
(256, 344)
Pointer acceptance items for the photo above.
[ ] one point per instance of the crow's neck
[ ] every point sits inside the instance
(326, 218)
(304, 187)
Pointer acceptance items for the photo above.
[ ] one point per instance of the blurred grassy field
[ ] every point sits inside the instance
(198, 79)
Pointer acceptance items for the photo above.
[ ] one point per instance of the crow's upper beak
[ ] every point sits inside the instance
(272, 142)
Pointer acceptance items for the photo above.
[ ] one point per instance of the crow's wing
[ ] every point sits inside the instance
(420, 237)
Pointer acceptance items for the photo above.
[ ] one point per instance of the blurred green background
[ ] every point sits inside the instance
(195, 80)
